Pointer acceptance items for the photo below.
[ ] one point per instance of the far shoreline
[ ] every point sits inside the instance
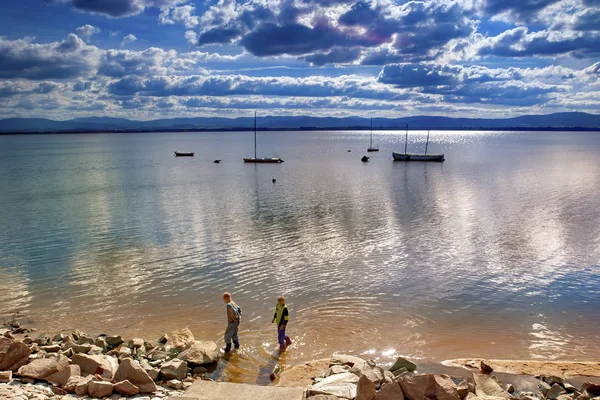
(304, 129)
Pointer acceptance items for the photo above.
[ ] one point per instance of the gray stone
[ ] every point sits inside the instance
(337, 369)
(551, 380)
(199, 370)
(150, 370)
(344, 359)
(592, 388)
(134, 373)
(81, 386)
(463, 389)
(390, 391)
(565, 397)
(181, 338)
(135, 343)
(42, 368)
(13, 354)
(569, 388)
(42, 340)
(59, 337)
(200, 352)
(485, 385)
(114, 340)
(126, 388)
(174, 369)
(85, 340)
(544, 387)
(365, 389)
(340, 385)
(403, 363)
(100, 342)
(81, 348)
(418, 387)
(95, 350)
(51, 348)
(400, 371)
(510, 388)
(555, 391)
(370, 370)
(5, 376)
(100, 389)
(175, 384)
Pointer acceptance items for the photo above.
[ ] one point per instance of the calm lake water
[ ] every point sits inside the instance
(494, 253)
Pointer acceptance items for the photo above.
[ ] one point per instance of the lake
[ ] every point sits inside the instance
(494, 253)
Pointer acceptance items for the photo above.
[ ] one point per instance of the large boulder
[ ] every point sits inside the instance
(181, 338)
(100, 364)
(100, 389)
(337, 369)
(418, 387)
(61, 378)
(130, 371)
(344, 359)
(365, 389)
(200, 352)
(485, 385)
(13, 354)
(340, 385)
(127, 388)
(403, 363)
(41, 368)
(390, 391)
(174, 369)
(555, 391)
(114, 341)
(370, 370)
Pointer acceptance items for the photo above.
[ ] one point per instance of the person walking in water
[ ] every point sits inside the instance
(234, 316)
(281, 317)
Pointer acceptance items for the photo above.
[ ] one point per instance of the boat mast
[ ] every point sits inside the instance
(427, 144)
(371, 145)
(255, 135)
(406, 139)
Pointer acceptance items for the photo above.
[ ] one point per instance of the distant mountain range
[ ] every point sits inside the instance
(558, 121)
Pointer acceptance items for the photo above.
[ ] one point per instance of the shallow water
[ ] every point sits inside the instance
(494, 253)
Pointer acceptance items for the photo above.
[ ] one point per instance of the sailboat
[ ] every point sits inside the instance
(371, 148)
(260, 160)
(417, 157)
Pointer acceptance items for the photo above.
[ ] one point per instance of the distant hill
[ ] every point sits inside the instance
(568, 120)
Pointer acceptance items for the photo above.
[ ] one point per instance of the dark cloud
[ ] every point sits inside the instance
(519, 42)
(473, 84)
(239, 85)
(81, 86)
(70, 58)
(11, 88)
(588, 20)
(219, 35)
(337, 55)
(113, 8)
(522, 10)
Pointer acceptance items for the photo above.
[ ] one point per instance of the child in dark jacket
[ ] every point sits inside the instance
(281, 317)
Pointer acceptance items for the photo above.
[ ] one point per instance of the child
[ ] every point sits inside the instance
(234, 316)
(281, 317)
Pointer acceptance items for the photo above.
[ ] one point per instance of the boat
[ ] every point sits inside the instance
(180, 154)
(371, 148)
(263, 160)
(364, 159)
(217, 161)
(417, 157)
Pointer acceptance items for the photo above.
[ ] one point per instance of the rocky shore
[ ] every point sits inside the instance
(104, 366)
(79, 366)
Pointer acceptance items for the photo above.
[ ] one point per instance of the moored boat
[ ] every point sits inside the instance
(371, 148)
(263, 160)
(180, 154)
(417, 157)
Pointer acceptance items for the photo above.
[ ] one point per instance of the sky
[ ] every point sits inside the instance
(150, 59)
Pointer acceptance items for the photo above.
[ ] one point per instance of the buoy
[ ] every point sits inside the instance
(274, 180)
(364, 159)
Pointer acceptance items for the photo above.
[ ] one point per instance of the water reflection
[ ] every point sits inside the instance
(493, 253)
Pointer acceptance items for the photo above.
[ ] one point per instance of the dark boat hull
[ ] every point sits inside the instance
(263, 160)
(418, 157)
(178, 154)
(372, 149)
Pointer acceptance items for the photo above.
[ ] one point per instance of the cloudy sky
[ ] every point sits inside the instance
(145, 59)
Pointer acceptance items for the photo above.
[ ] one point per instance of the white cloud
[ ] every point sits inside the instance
(128, 39)
(86, 31)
